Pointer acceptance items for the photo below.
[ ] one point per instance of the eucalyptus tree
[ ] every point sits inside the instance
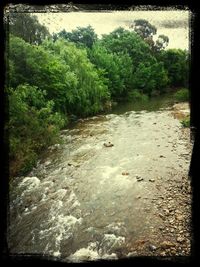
(147, 31)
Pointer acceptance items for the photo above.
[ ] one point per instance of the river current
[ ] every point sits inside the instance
(87, 201)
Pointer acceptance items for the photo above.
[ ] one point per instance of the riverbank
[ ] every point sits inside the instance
(33, 149)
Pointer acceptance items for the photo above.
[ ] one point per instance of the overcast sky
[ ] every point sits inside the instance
(174, 24)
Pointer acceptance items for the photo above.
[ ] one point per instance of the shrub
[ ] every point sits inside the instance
(182, 95)
(33, 126)
(136, 95)
(186, 122)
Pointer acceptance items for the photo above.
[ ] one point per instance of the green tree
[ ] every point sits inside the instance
(148, 78)
(124, 41)
(27, 27)
(144, 28)
(31, 118)
(38, 67)
(82, 36)
(116, 68)
(90, 92)
(161, 43)
(146, 31)
(176, 62)
(148, 73)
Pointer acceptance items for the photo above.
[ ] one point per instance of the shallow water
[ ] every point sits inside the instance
(87, 201)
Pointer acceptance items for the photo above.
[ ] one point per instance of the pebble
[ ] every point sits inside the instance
(47, 163)
(152, 247)
(161, 215)
(132, 254)
(180, 239)
(163, 253)
(167, 244)
(166, 211)
(151, 180)
(179, 217)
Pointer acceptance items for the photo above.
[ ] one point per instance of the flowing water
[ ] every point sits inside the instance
(88, 201)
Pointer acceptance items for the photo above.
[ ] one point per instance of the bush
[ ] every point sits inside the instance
(135, 95)
(182, 95)
(33, 126)
(186, 122)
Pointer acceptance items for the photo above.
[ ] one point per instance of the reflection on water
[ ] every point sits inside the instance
(87, 201)
(153, 104)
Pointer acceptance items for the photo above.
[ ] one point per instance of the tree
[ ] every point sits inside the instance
(149, 78)
(161, 43)
(116, 68)
(124, 41)
(144, 28)
(82, 36)
(146, 31)
(147, 73)
(36, 66)
(176, 62)
(27, 27)
(90, 92)
(31, 118)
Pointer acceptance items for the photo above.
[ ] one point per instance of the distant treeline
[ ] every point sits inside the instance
(51, 78)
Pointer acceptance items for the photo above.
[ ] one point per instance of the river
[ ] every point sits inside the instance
(87, 201)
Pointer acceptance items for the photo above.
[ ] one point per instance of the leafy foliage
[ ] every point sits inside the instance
(75, 74)
(182, 95)
(144, 28)
(36, 66)
(27, 27)
(136, 95)
(148, 78)
(82, 36)
(146, 31)
(176, 62)
(126, 42)
(90, 91)
(31, 118)
(186, 122)
(116, 69)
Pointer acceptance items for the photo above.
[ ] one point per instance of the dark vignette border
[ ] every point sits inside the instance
(65, 6)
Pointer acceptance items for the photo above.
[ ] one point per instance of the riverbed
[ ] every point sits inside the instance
(87, 200)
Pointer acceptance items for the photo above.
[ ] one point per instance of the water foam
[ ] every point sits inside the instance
(30, 183)
(90, 253)
(85, 254)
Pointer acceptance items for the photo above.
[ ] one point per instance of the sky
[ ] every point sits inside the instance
(173, 23)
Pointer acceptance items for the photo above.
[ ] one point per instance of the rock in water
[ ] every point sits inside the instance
(125, 173)
(109, 144)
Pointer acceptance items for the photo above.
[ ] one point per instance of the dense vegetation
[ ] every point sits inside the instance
(51, 79)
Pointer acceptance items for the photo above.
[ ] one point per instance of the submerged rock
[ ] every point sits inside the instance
(151, 180)
(139, 179)
(125, 173)
(109, 144)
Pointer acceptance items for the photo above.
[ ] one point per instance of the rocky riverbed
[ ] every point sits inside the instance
(88, 201)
